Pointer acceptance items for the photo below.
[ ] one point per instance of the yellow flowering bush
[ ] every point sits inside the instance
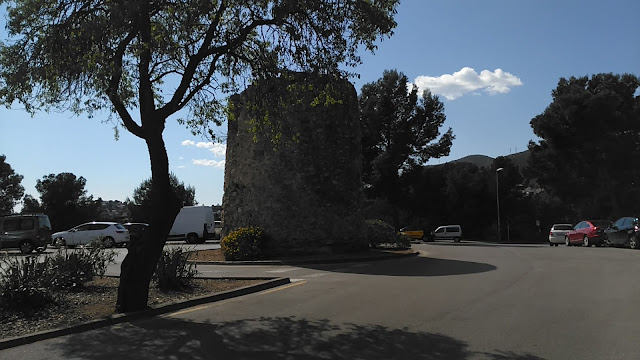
(243, 244)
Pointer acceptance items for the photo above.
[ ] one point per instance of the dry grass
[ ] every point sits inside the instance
(97, 301)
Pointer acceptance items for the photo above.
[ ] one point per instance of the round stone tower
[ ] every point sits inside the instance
(294, 165)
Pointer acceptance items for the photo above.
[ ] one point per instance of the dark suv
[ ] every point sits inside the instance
(622, 232)
(25, 232)
(136, 230)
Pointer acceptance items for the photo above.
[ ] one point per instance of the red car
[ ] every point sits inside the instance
(587, 233)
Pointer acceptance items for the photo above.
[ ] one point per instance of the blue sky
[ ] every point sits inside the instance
(493, 63)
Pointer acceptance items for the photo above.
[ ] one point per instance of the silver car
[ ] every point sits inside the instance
(557, 233)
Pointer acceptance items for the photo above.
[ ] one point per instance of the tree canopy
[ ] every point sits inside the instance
(142, 203)
(399, 130)
(64, 199)
(590, 145)
(164, 56)
(10, 188)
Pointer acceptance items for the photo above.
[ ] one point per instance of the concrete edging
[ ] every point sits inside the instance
(303, 262)
(151, 312)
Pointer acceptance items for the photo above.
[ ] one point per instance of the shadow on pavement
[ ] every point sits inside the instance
(414, 266)
(267, 338)
(486, 244)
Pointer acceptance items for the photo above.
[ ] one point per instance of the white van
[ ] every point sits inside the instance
(451, 232)
(194, 224)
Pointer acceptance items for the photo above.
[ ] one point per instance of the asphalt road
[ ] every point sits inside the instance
(454, 301)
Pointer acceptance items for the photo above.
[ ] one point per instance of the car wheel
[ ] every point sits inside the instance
(550, 243)
(606, 241)
(585, 241)
(566, 241)
(456, 239)
(633, 241)
(192, 238)
(26, 247)
(108, 242)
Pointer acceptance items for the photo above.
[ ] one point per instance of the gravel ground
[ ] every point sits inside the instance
(96, 301)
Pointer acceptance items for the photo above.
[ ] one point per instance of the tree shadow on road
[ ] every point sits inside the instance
(267, 338)
(414, 266)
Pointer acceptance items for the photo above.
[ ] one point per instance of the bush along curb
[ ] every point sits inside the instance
(150, 312)
(306, 261)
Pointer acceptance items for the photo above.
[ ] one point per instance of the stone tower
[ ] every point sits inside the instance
(294, 165)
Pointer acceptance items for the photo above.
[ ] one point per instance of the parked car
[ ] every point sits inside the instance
(448, 232)
(623, 232)
(557, 233)
(413, 232)
(25, 232)
(136, 230)
(587, 233)
(111, 233)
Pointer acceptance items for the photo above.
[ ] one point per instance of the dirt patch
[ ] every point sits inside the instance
(97, 301)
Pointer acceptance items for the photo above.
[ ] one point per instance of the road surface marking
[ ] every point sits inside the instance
(315, 275)
(281, 270)
(197, 308)
(283, 287)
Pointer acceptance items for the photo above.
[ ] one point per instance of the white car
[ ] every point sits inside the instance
(558, 232)
(111, 233)
(448, 232)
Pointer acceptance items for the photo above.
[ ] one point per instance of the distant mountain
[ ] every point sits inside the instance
(478, 160)
(519, 159)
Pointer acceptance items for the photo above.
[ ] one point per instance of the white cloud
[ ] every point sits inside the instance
(467, 80)
(218, 149)
(206, 162)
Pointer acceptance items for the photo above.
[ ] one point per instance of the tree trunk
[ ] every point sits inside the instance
(140, 263)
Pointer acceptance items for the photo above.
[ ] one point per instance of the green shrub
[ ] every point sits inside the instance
(244, 244)
(31, 282)
(381, 234)
(73, 268)
(22, 284)
(173, 271)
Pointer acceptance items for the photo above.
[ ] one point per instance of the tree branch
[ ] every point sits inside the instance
(114, 82)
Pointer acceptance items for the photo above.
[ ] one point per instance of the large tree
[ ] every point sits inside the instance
(590, 145)
(64, 199)
(141, 206)
(400, 129)
(160, 57)
(10, 188)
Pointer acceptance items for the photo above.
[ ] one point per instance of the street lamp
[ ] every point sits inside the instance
(498, 201)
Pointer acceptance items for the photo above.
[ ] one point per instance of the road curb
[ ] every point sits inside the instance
(306, 262)
(151, 312)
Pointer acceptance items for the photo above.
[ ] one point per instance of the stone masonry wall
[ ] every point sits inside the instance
(294, 165)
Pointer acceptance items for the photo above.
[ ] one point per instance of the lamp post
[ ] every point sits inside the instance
(498, 201)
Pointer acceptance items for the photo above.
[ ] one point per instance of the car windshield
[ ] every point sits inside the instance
(119, 226)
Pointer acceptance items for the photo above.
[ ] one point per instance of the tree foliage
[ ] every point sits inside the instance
(64, 199)
(30, 205)
(161, 57)
(399, 130)
(168, 55)
(10, 188)
(140, 207)
(590, 145)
